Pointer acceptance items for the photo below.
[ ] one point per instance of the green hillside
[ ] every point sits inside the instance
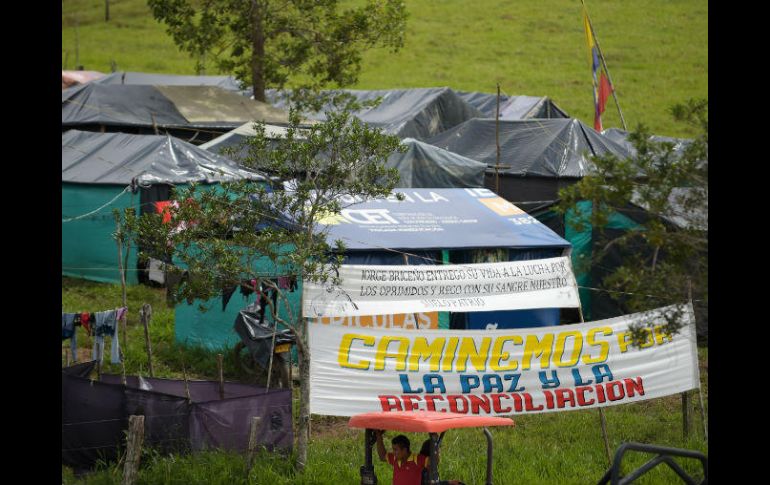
(656, 50)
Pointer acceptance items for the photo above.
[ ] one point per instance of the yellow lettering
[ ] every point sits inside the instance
(478, 356)
(449, 354)
(498, 355)
(536, 348)
(604, 346)
(661, 336)
(421, 350)
(343, 354)
(624, 339)
(383, 352)
(561, 344)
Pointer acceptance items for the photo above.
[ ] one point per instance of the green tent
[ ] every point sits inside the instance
(106, 171)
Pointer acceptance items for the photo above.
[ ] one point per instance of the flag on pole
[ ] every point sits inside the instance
(602, 88)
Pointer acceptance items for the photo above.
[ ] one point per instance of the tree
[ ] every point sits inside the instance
(230, 229)
(665, 259)
(269, 42)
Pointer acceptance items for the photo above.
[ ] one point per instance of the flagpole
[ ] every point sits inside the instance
(604, 63)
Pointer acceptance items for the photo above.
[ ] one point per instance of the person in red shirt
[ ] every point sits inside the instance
(407, 466)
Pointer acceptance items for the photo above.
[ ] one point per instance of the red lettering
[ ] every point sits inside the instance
(600, 393)
(548, 399)
(431, 405)
(409, 404)
(612, 393)
(564, 396)
(385, 402)
(453, 404)
(496, 404)
(479, 402)
(581, 399)
(634, 387)
(529, 405)
(518, 404)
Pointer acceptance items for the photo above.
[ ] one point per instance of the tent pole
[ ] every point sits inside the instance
(497, 142)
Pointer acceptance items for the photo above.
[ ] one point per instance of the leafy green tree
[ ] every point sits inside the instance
(664, 260)
(232, 228)
(268, 42)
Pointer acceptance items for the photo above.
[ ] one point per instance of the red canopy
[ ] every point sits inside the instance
(424, 421)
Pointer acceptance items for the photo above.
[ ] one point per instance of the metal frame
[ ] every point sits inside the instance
(665, 455)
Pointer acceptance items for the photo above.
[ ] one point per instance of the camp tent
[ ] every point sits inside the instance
(180, 416)
(421, 165)
(426, 166)
(194, 113)
(513, 107)
(407, 113)
(228, 83)
(430, 226)
(105, 171)
(537, 157)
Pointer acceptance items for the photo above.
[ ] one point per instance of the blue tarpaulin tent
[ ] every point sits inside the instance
(430, 226)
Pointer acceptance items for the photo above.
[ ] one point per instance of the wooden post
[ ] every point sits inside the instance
(686, 416)
(497, 141)
(221, 377)
(252, 441)
(133, 448)
(186, 384)
(106, 10)
(66, 357)
(602, 418)
(145, 314)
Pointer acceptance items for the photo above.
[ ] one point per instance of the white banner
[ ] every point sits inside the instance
(381, 290)
(500, 372)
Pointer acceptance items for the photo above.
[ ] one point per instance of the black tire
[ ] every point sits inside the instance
(280, 372)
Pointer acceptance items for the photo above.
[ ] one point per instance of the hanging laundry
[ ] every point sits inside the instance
(68, 331)
(85, 321)
(284, 282)
(106, 324)
(292, 283)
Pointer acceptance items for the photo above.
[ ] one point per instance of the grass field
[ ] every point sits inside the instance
(656, 50)
(563, 448)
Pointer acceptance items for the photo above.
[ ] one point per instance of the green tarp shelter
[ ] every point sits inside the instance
(106, 171)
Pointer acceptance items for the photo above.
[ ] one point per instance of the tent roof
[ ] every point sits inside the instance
(424, 165)
(513, 107)
(536, 147)
(417, 113)
(118, 158)
(164, 106)
(152, 79)
(438, 219)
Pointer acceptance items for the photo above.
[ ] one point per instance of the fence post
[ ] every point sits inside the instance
(145, 314)
(686, 416)
(221, 377)
(133, 448)
(252, 441)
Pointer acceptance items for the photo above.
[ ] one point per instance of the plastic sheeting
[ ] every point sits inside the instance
(543, 147)
(513, 107)
(408, 113)
(438, 219)
(162, 106)
(73, 78)
(152, 79)
(95, 415)
(426, 166)
(235, 140)
(118, 158)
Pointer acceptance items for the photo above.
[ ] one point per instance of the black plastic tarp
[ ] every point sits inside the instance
(408, 113)
(151, 79)
(194, 107)
(513, 107)
(95, 415)
(119, 158)
(538, 147)
(427, 166)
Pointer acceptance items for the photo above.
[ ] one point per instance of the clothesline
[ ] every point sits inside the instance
(98, 324)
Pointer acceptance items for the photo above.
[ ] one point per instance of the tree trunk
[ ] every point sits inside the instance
(257, 50)
(303, 428)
